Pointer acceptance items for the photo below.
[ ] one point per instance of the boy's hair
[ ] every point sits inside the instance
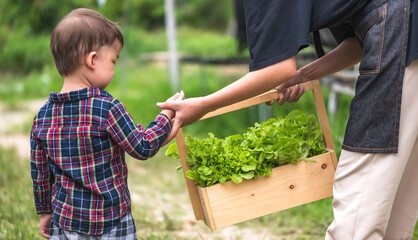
(81, 31)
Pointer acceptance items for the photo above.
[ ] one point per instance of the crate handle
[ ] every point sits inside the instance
(262, 98)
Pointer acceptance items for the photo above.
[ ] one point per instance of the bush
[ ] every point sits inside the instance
(150, 14)
(23, 52)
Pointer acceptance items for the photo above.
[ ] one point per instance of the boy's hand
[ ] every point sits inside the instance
(44, 224)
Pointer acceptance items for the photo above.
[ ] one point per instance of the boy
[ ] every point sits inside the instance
(80, 136)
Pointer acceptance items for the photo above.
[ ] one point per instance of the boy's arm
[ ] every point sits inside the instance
(41, 177)
(42, 183)
(138, 142)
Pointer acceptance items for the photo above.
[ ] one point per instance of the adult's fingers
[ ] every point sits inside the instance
(174, 129)
(283, 96)
(292, 94)
(271, 102)
(296, 94)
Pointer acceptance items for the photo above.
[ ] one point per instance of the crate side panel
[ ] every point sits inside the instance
(288, 186)
(207, 210)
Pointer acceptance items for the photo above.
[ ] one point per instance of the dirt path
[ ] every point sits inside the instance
(12, 124)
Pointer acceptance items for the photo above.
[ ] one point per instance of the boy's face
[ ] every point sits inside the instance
(105, 61)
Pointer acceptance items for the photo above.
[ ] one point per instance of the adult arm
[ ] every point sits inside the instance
(250, 85)
(345, 55)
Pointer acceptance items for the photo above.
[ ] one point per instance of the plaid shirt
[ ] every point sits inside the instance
(78, 168)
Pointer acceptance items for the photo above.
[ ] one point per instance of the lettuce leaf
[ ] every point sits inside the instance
(275, 142)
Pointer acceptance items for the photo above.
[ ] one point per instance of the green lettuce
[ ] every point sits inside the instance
(273, 143)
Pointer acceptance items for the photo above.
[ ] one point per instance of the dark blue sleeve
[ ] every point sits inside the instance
(342, 32)
(276, 30)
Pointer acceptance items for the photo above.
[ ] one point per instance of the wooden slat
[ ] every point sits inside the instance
(262, 98)
(207, 210)
(191, 185)
(288, 186)
(323, 118)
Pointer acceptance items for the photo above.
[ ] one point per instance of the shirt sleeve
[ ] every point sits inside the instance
(42, 178)
(342, 32)
(138, 142)
(276, 30)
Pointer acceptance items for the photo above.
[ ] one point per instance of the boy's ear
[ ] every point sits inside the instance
(91, 57)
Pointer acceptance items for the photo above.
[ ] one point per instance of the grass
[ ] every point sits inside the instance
(18, 219)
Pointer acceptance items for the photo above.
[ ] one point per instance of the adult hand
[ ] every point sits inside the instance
(187, 111)
(44, 224)
(290, 91)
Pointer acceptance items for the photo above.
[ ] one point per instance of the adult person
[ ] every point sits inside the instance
(376, 183)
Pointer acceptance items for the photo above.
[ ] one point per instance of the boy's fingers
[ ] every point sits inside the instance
(181, 95)
(177, 96)
(45, 233)
(174, 97)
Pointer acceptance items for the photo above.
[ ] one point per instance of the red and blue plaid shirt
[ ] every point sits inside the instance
(78, 168)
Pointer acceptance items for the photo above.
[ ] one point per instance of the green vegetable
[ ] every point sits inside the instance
(267, 145)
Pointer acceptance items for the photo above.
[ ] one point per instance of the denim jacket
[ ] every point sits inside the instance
(382, 30)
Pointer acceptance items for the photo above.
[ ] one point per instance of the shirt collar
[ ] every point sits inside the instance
(77, 95)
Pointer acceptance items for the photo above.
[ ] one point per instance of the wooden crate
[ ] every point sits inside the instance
(288, 186)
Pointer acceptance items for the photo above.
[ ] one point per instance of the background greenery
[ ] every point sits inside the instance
(161, 206)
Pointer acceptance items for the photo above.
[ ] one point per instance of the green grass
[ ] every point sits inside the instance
(18, 219)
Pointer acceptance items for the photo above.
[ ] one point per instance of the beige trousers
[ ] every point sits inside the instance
(376, 195)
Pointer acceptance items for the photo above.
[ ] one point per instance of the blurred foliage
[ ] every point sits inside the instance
(38, 15)
(23, 52)
(205, 14)
(26, 25)
(43, 15)
(149, 14)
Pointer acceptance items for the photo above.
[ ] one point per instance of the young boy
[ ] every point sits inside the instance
(80, 136)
